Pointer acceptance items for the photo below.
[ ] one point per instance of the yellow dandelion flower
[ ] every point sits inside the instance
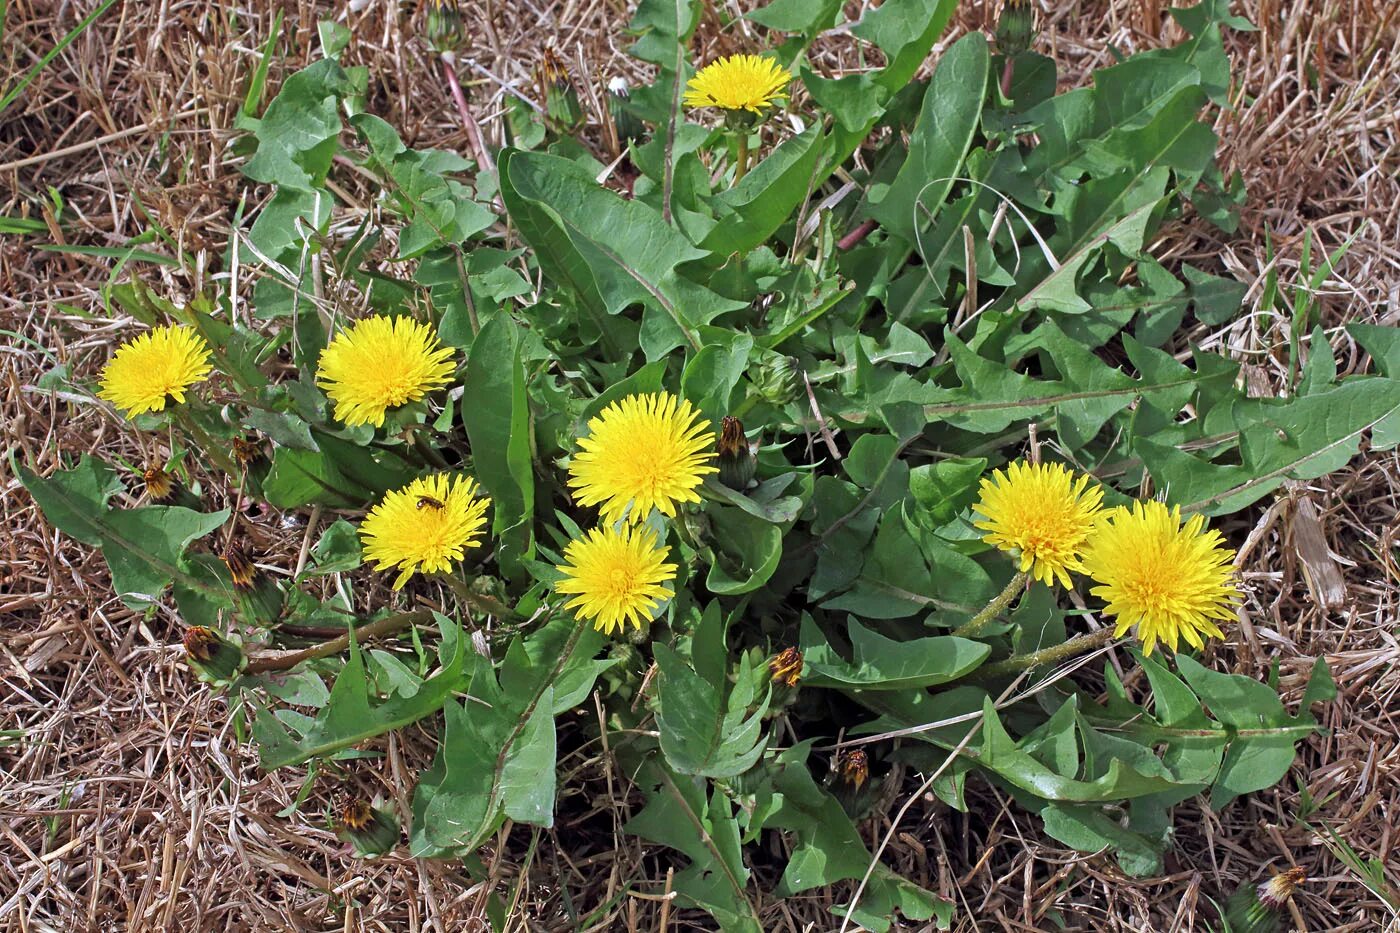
(615, 577)
(1170, 580)
(646, 451)
(739, 82)
(426, 526)
(164, 362)
(1041, 513)
(380, 363)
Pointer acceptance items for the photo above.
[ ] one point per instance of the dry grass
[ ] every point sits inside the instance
(129, 802)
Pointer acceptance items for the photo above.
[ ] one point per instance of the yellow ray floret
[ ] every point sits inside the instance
(380, 363)
(427, 526)
(739, 82)
(616, 577)
(1172, 581)
(646, 451)
(160, 364)
(1042, 514)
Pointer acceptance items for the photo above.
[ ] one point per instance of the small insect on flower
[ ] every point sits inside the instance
(427, 526)
(853, 765)
(1172, 581)
(786, 667)
(159, 484)
(240, 568)
(643, 452)
(616, 577)
(380, 363)
(749, 83)
(158, 365)
(1041, 514)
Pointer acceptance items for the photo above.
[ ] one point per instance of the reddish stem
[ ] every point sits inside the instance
(474, 138)
(856, 235)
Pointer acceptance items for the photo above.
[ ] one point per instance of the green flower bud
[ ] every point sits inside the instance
(629, 127)
(561, 102)
(777, 379)
(1015, 27)
(444, 26)
(736, 460)
(214, 659)
(369, 830)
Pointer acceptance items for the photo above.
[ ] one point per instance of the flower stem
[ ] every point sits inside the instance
(1080, 644)
(993, 609)
(385, 626)
(742, 167)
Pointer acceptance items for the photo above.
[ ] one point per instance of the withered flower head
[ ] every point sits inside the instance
(1281, 887)
(246, 449)
(370, 831)
(560, 96)
(786, 666)
(201, 642)
(214, 658)
(854, 767)
(357, 814)
(159, 484)
(240, 568)
(736, 460)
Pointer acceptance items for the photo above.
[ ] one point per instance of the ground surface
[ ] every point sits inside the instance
(126, 800)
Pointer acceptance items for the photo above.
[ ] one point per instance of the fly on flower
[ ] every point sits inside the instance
(427, 526)
(158, 365)
(379, 363)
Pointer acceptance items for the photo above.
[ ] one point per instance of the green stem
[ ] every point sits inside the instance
(742, 167)
(1081, 644)
(385, 626)
(211, 450)
(994, 608)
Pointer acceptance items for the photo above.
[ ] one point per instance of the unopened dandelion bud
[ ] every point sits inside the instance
(240, 568)
(777, 380)
(1015, 26)
(785, 667)
(853, 767)
(214, 658)
(443, 26)
(369, 830)
(629, 127)
(737, 464)
(561, 101)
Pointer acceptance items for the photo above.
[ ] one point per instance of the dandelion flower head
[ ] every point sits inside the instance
(615, 577)
(649, 451)
(427, 526)
(739, 82)
(1172, 581)
(161, 363)
(1042, 513)
(380, 363)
